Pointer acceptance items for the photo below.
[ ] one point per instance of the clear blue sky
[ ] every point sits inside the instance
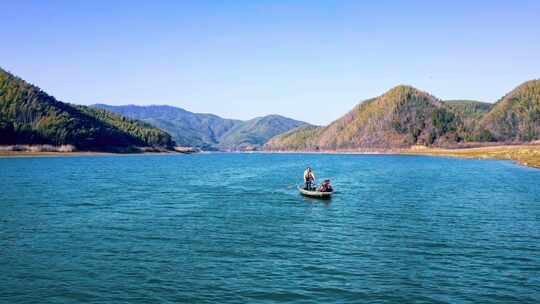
(310, 60)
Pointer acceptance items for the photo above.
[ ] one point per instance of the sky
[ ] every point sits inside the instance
(309, 60)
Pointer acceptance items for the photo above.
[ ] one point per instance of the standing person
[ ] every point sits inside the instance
(309, 178)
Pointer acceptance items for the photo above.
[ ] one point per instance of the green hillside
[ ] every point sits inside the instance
(516, 116)
(30, 116)
(188, 129)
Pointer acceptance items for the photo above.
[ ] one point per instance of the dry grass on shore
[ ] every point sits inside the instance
(527, 155)
(69, 150)
(37, 148)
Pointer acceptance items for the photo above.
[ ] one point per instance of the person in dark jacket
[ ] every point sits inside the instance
(326, 186)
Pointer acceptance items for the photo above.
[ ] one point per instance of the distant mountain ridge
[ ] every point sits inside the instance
(405, 116)
(187, 128)
(208, 131)
(257, 131)
(30, 116)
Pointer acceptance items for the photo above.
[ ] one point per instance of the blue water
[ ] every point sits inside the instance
(231, 228)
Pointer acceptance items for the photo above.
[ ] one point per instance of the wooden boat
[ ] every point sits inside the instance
(314, 193)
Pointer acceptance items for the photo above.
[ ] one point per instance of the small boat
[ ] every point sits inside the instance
(314, 193)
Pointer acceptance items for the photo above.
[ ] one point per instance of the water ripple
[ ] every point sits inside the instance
(231, 228)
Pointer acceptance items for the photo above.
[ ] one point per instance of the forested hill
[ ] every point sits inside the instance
(516, 116)
(208, 131)
(187, 128)
(30, 116)
(401, 117)
(406, 116)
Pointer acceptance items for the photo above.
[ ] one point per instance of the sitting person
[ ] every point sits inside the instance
(326, 186)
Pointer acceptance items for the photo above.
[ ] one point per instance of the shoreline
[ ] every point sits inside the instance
(523, 154)
(526, 154)
(4, 154)
(70, 150)
(36, 151)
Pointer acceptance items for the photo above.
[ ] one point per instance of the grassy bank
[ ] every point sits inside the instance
(36, 150)
(527, 155)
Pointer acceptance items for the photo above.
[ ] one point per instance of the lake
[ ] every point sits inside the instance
(231, 228)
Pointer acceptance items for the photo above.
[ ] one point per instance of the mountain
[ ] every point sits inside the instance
(30, 116)
(257, 131)
(401, 117)
(187, 128)
(470, 113)
(208, 131)
(516, 116)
